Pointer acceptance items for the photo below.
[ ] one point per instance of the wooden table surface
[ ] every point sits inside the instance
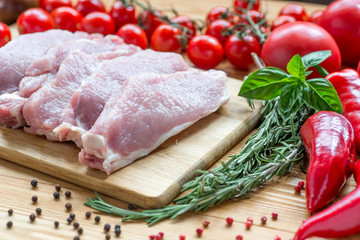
(275, 196)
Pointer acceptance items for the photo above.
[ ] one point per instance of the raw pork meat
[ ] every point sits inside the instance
(43, 109)
(88, 101)
(146, 111)
(10, 110)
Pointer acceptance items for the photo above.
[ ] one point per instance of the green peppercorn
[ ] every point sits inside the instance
(34, 183)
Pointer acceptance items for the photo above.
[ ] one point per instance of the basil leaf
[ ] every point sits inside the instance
(289, 96)
(315, 58)
(321, 95)
(296, 67)
(265, 83)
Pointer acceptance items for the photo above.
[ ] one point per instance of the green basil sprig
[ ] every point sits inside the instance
(292, 88)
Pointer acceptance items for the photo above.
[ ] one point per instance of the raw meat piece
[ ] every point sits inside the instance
(10, 110)
(88, 101)
(43, 109)
(149, 109)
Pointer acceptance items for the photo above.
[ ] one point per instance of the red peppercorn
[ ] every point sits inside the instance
(248, 225)
(263, 219)
(158, 237)
(239, 237)
(152, 237)
(199, 231)
(182, 237)
(205, 223)
(229, 220)
(301, 184)
(297, 188)
(161, 234)
(277, 238)
(274, 215)
(249, 219)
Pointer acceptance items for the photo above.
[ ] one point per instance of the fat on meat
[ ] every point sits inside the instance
(146, 111)
(88, 101)
(42, 111)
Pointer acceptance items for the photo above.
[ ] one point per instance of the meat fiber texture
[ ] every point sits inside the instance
(15, 57)
(146, 111)
(89, 100)
(43, 110)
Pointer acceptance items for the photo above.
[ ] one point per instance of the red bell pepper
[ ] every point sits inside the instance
(347, 86)
(340, 220)
(328, 138)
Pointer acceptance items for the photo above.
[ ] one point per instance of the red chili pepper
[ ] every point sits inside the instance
(340, 220)
(347, 86)
(328, 138)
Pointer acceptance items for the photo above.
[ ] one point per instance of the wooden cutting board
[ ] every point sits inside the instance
(152, 181)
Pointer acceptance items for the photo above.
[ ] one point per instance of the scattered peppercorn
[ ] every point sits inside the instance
(158, 237)
(10, 212)
(68, 194)
(80, 231)
(117, 231)
(249, 219)
(263, 219)
(97, 219)
(205, 223)
(119, 227)
(107, 227)
(248, 225)
(88, 214)
(57, 187)
(182, 237)
(38, 211)
(69, 220)
(297, 188)
(161, 234)
(34, 199)
(72, 215)
(68, 206)
(56, 224)
(229, 220)
(301, 184)
(107, 237)
(76, 238)
(9, 224)
(131, 206)
(199, 231)
(76, 225)
(32, 217)
(239, 237)
(274, 215)
(277, 238)
(56, 195)
(152, 237)
(34, 183)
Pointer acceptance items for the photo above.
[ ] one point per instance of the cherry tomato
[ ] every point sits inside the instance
(238, 51)
(150, 21)
(67, 18)
(217, 29)
(133, 34)
(219, 13)
(185, 21)
(50, 5)
(5, 35)
(295, 10)
(98, 22)
(299, 38)
(166, 39)
(342, 20)
(122, 14)
(315, 16)
(281, 20)
(205, 51)
(87, 6)
(256, 16)
(244, 4)
(34, 20)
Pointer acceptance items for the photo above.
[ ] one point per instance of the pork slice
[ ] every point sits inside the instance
(150, 109)
(89, 100)
(43, 109)
(10, 110)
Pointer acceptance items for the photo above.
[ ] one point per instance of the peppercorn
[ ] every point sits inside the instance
(107, 237)
(131, 206)
(32, 217)
(57, 187)
(249, 219)
(263, 219)
(72, 215)
(158, 237)
(199, 231)
(274, 215)
(80, 231)
(76, 225)
(182, 237)
(97, 219)
(34, 199)
(117, 231)
(88, 214)
(9, 224)
(38, 211)
(69, 220)
(239, 237)
(277, 238)
(10, 212)
(119, 227)
(34, 183)
(248, 225)
(301, 184)
(68, 206)
(152, 237)
(107, 227)
(56, 224)
(297, 188)
(76, 238)
(229, 220)
(205, 223)
(68, 194)
(56, 195)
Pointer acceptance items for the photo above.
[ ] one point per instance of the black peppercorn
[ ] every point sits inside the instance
(68, 194)
(56, 224)
(80, 231)
(9, 224)
(107, 227)
(88, 214)
(10, 212)
(107, 237)
(56, 195)
(76, 238)
(131, 206)
(57, 187)
(34, 183)
(68, 206)
(97, 219)
(76, 225)
(117, 231)
(72, 215)
(34, 199)
(69, 220)
(38, 211)
(32, 217)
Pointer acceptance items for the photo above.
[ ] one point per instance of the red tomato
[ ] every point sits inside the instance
(256, 16)
(358, 68)
(67, 18)
(238, 51)
(219, 13)
(244, 4)
(87, 6)
(342, 20)
(205, 51)
(98, 22)
(165, 39)
(133, 34)
(315, 16)
(217, 29)
(122, 14)
(149, 21)
(5, 35)
(34, 20)
(295, 10)
(50, 5)
(281, 20)
(185, 21)
(299, 38)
